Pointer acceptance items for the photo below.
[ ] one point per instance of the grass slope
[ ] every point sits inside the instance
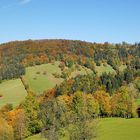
(40, 82)
(101, 69)
(35, 137)
(113, 129)
(13, 92)
(119, 129)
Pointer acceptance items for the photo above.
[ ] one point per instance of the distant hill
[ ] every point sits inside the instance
(15, 56)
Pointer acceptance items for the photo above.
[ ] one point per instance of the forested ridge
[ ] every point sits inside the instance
(68, 109)
(15, 56)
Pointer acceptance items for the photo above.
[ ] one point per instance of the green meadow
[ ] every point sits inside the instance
(40, 77)
(104, 68)
(35, 137)
(119, 129)
(12, 91)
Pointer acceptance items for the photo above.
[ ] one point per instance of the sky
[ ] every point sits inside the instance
(88, 20)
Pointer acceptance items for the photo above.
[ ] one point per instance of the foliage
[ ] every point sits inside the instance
(31, 108)
(103, 99)
(15, 56)
(72, 113)
(84, 108)
(122, 104)
(85, 83)
(17, 120)
(69, 108)
(6, 131)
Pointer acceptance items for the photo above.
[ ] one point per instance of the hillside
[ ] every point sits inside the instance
(119, 129)
(60, 89)
(15, 56)
(31, 57)
(12, 92)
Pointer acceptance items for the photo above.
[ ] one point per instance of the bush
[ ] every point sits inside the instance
(56, 75)
(6, 131)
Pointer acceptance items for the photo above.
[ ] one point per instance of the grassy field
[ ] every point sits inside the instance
(101, 69)
(119, 129)
(113, 129)
(40, 78)
(12, 92)
(36, 137)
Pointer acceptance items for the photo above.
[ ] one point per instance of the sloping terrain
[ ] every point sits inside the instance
(13, 92)
(119, 129)
(40, 77)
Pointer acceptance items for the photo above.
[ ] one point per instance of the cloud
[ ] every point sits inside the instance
(19, 2)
